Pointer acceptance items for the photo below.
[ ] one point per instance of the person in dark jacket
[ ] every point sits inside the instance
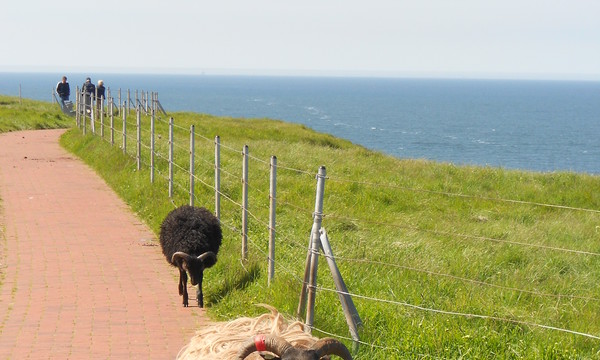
(88, 89)
(63, 90)
(100, 91)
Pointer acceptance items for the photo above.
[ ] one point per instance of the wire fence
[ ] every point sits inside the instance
(423, 252)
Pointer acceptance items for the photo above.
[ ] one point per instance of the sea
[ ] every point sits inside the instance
(533, 125)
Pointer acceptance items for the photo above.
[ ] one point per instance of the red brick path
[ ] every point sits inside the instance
(79, 275)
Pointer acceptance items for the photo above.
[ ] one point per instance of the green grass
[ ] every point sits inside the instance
(29, 114)
(460, 239)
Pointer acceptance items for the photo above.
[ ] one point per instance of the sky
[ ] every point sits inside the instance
(554, 39)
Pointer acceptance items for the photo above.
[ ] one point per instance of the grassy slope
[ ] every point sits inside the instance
(419, 240)
(29, 114)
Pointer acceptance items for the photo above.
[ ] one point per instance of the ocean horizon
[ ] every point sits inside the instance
(533, 125)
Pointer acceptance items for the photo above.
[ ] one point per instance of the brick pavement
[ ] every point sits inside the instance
(80, 277)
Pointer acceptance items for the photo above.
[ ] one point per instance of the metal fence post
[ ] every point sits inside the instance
(171, 158)
(218, 177)
(152, 146)
(124, 130)
(83, 97)
(77, 104)
(314, 250)
(146, 102)
(245, 203)
(272, 199)
(352, 318)
(155, 101)
(138, 124)
(102, 118)
(93, 112)
(112, 122)
(192, 165)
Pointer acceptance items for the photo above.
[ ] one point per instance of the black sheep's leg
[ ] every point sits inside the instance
(199, 296)
(180, 283)
(183, 286)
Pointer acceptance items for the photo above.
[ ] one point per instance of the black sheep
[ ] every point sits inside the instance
(190, 238)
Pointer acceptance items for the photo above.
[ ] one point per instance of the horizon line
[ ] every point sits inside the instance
(309, 73)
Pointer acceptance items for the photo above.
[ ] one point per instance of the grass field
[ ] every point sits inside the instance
(442, 261)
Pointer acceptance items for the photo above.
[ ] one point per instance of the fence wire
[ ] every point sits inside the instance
(286, 237)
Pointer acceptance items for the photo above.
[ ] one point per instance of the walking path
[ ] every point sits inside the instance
(80, 277)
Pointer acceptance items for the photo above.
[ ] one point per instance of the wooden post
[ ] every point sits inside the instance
(192, 165)
(245, 203)
(272, 199)
(171, 158)
(218, 177)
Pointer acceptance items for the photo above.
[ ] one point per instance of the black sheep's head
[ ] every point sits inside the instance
(194, 266)
(285, 351)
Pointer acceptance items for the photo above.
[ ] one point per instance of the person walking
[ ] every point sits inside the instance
(100, 91)
(63, 90)
(88, 89)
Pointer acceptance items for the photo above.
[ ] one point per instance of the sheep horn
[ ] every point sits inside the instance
(208, 259)
(179, 255)
(275, 344)
(329, 346)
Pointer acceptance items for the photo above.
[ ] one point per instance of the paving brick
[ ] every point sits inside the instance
(77, 280)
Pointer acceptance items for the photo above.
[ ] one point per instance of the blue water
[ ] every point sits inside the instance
(531, 125)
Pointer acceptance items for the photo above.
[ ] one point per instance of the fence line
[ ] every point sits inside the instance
(521, 202)
(422, 308)
(270, 225)
(337, 179)
(466, 236)
(410, 189)
(467, 315)
(417, 307)
(416, 190)
(463, 279)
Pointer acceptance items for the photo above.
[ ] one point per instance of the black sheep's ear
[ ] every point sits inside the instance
(208, 259)
(181, 259)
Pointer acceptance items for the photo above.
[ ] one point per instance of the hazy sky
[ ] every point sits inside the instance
(471, 38)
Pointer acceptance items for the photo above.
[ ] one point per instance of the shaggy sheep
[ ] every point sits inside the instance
(230, 340)
(190, 238)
